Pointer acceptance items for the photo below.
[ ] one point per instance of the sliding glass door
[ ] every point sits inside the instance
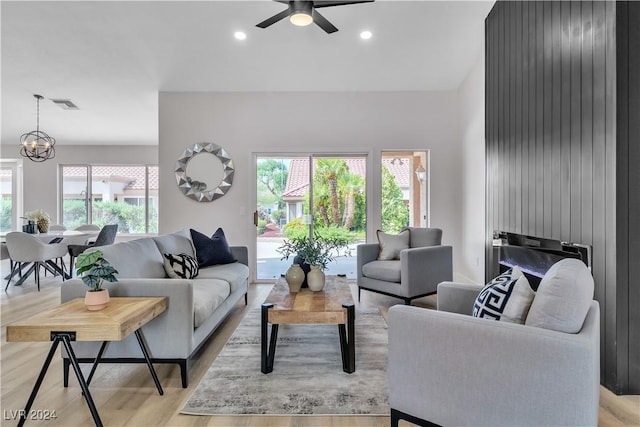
(309, 196)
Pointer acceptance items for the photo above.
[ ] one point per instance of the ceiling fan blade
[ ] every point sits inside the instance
(323, 23)
(339, 3)
(274, 19)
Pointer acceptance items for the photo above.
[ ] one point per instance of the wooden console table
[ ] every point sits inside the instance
(72, 321)
(333, 305)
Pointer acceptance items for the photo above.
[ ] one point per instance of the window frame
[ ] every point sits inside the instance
(89, 184)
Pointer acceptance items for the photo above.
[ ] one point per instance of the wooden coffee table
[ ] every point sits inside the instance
(72, 321)
(333, 305)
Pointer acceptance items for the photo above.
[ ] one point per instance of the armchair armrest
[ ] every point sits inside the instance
(459, 370)
(366, 253)
(423, 268)
(457, 297)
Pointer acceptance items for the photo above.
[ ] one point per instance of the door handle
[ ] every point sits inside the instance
(255, 218)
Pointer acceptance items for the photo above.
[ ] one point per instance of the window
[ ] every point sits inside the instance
(126, 195)
(10, 194)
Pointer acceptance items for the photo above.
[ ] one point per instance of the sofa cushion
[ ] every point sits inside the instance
(563, 298)
(138, 258)
(176, 243)
(208, 294)
(391, 244)
(212, 251)
(236, 274)
(181, 266)
(388, 271)
(507, 298)
(420, 237)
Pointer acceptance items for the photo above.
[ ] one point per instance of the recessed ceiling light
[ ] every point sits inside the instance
(239, 35)
(365, 35)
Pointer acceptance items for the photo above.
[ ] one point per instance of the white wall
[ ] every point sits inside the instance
(471, 119)
(41, 179)
(245, 123)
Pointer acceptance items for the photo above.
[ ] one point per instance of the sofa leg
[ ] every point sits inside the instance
(184, 372)
(246, 298)
(359, 290)
(65, 371)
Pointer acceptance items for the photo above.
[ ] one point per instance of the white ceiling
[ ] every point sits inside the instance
(112, 58)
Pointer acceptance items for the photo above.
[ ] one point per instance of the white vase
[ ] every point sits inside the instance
(294, 277)
(315, 279)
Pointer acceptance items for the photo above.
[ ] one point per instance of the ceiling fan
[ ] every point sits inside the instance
(303, 13)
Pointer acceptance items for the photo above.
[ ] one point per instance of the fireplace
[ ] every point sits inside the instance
(534, 255)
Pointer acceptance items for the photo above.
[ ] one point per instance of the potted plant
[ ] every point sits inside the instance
(316, 253)
(95, 269)
(37, 218)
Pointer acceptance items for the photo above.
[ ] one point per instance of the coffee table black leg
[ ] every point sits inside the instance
(268, 345)
(347, 340)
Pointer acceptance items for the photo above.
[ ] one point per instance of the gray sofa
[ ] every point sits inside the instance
(449, 368)
(195, 306)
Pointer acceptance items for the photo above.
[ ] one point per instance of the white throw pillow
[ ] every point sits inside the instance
(506, 298)
(563, 298)
(392, 244)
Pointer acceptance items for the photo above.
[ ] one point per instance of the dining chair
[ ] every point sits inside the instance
(106, 237)
(27, 249)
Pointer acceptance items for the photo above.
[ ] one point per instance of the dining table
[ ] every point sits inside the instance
(67, 237)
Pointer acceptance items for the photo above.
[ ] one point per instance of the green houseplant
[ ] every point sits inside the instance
(316, 253)
(95, 270)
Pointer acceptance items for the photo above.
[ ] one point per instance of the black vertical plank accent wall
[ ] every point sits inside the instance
(628, 184)
(563, 149)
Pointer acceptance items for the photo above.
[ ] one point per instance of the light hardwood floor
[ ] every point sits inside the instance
(126, 396)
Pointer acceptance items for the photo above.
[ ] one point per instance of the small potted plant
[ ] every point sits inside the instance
(37, 218)
(317, 253)
(95, 269)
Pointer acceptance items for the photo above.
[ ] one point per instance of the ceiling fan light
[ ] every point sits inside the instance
(301, 19)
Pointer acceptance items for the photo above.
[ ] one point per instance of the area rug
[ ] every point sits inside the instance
(307, 377)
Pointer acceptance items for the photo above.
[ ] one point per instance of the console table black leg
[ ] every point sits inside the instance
(36, 387)
(83, 384)
(268, 346)
(143, 347)
(347, 340)
(95, 363)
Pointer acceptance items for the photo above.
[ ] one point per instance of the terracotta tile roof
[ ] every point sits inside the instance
(134, 174)
(298, 177)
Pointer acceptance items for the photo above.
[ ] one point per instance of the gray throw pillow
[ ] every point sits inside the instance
(563, 297)
(392, 244)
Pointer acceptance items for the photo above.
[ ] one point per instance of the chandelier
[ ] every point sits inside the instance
(37, 145)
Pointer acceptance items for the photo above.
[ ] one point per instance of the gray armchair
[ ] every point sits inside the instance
(416, 274)
(449, 368)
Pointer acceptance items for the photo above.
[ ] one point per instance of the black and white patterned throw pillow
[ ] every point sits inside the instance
(181, 266)
(508, 298)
